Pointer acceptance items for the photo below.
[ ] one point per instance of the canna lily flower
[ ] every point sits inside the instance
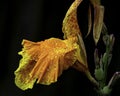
(45, 61)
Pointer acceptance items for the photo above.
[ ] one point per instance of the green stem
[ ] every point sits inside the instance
(92, 79)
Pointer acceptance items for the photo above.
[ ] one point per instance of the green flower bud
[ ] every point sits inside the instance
(99, 74)
(106, 90)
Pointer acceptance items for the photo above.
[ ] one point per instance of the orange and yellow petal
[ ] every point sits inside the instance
(44, 61)
(70, 26)
(22, 79)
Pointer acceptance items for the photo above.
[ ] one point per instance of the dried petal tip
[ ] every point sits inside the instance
(114, 78)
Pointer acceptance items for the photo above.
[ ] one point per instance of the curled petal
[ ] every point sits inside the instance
(70, 25)
(71, 29)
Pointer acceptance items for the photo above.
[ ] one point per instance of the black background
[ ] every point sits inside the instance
(37, 20)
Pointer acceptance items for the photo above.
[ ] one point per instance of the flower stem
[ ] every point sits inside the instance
(92, 79)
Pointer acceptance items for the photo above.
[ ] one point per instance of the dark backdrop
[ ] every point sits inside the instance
(40, 19)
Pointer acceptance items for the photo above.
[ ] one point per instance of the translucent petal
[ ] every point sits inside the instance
(89, 20)
(98, 22)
